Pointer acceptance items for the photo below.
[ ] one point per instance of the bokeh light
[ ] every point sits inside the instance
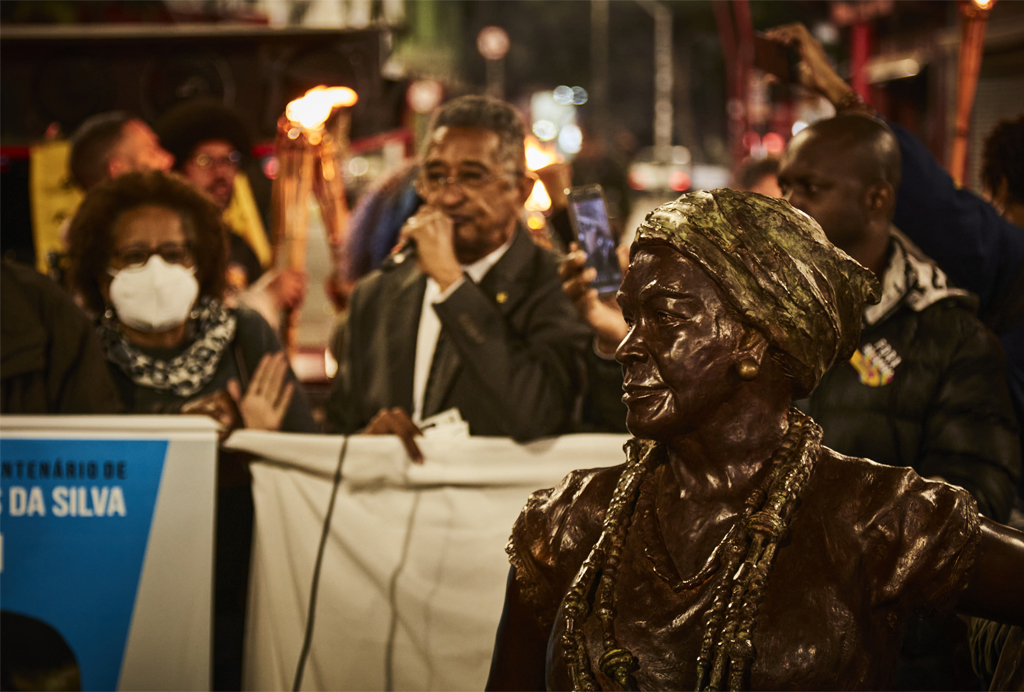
(545, 130)
(358, 166)
(570, 139)
(563, 95)
(679, 181)
(773, 143)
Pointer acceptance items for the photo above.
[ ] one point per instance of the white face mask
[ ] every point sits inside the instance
(154, 297)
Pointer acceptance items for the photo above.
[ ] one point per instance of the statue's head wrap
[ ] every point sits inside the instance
(776, 268)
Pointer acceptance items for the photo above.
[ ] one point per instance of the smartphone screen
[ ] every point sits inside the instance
(589, 218)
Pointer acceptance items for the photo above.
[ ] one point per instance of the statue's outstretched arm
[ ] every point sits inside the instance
(994, 585)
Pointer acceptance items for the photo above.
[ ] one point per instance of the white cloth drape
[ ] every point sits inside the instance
(413, 575)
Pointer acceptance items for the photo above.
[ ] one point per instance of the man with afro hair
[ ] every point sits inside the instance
(210, 144)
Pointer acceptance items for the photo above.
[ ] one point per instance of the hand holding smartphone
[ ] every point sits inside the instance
(776, 58)
(589, 217)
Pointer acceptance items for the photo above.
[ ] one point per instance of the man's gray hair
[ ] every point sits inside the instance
(486, 113)
(92, 144)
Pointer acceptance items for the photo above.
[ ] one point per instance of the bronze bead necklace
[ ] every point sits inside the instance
(727, 647)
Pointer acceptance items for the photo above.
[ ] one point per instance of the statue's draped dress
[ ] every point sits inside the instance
(868, 546)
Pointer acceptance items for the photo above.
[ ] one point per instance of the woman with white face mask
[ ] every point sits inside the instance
(148, 256)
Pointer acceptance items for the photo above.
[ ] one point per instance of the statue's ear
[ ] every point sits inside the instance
(753, 346)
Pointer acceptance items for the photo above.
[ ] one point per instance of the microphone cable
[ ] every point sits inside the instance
(308, 638)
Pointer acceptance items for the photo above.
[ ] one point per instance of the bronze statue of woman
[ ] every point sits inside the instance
(732, 550)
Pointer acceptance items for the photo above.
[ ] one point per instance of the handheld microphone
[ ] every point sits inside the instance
(403, 252)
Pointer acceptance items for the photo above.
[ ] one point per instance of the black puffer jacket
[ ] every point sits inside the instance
(926, 388)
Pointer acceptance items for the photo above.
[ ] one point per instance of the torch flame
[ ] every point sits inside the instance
(539, 199)
(538, 156)
(984, 4)
(312, 110)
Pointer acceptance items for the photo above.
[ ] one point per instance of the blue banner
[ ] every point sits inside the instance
(75, 518)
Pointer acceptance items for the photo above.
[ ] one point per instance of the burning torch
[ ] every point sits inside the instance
(308, 151)
(553, 175)
(972, 44)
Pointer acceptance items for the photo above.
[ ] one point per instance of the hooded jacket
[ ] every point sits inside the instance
(926, 387)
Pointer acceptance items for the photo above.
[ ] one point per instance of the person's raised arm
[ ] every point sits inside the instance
(815, 70)
(964, 234)
(603, 316)
(264, 403)
(255, 339)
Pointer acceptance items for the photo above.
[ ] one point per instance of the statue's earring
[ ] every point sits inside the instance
(748, 369)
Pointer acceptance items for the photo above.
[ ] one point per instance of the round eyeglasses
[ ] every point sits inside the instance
(136, 256)
(205, 161)
(470, 180)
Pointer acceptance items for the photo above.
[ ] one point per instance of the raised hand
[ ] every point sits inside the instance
(266, 400)
(603, 315)
(433, 232)
(815, 70)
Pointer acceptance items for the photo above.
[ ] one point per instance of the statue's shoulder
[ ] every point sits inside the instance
(913, 539)
(886, 505)
(577, 504)
(853, 479)
(555, 532)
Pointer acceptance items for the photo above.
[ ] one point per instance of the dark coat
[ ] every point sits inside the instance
(977, 248)
(514, 362)
(50, 357)
(930, 394)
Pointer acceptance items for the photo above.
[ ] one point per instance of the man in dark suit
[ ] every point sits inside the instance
(477, 321)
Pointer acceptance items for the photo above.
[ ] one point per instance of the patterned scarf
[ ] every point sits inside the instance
(186, 373)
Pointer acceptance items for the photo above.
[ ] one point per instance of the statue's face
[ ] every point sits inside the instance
(679, 356)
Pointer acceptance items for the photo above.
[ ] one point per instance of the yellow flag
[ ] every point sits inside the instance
(243, 217)
(54, 198)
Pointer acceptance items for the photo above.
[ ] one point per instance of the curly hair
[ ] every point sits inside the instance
(91, 235)
(1004, 158)
(189, 124)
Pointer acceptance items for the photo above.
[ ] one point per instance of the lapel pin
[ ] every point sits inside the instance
(502, 297)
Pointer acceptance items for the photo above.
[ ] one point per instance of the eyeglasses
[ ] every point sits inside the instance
(205, 161)
(136, 256)
(469, 180)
